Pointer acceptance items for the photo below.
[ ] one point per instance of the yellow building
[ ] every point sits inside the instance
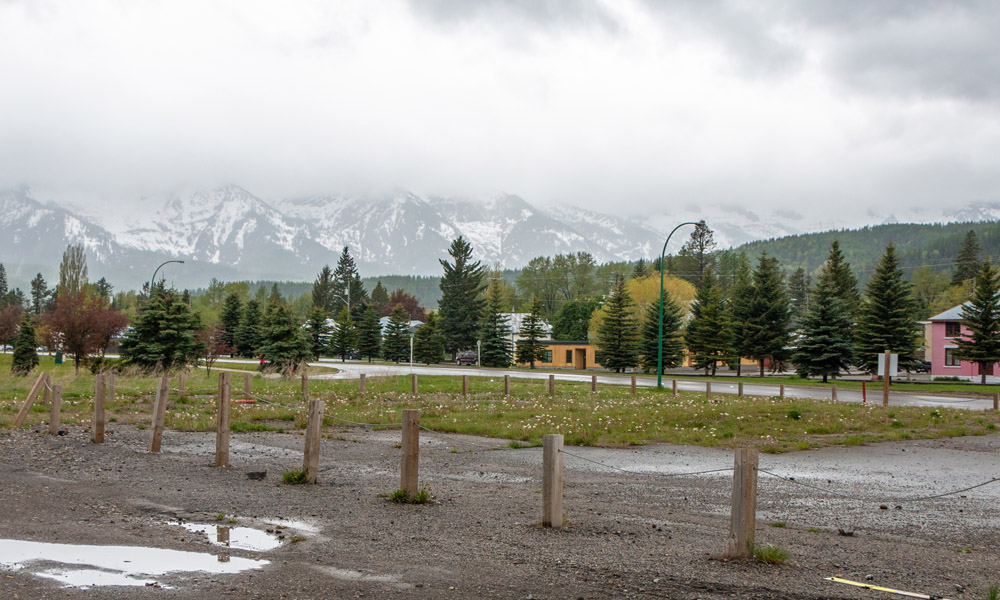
(574, 354)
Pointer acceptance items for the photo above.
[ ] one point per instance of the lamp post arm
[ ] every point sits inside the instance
(663, 267)
(152, 280)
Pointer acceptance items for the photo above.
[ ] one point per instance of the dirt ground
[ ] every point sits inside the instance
(632, 533)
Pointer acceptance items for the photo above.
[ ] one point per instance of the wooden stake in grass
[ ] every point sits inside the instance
(97, 431)
(305, 384)
(739, 389)
(222, 420)
(743, 513)
(361, 383)
(310, 457)
(885, 379)
(996, 401)
(781, 391)
(552, 480)
(673, 386)
(159, 414)
(633, 385)
(112, 386)
(413, 384)
(593, 384)
(708, 390)
(506, 385)
(246, 385)
(182, 382)
(411, 452)
(465, 385)
(54, 408)
(552, 385)
(833, 392)
(43, 380)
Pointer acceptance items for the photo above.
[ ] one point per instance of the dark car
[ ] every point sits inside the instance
(465, 358)
(923, 366)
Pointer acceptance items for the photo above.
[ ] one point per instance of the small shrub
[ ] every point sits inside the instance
(779, 524)
(993, 593)
(421, 497)
(399, 496)
(794, 414)
(769, 554)
(991, 426)
(294, 477)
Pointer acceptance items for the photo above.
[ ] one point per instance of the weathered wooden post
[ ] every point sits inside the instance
(739, 389)
(593, 384)
(246, 385)
(411, 452)
(743, 514)
(182, 382)
(40, 383)
(112, 386)
(633, 385)
(305, 385)
(885, 379)
(310, 458)
(506, 385)
(54, 408)
(413, 384)
(552, 385)
(222, 420)
(159, 414)
(361, 383)
(465, 385)
(996, 401)
(781, 391)
(673, 386)
(708, 390)
(97, 431)
(833, 392)
(552, 480)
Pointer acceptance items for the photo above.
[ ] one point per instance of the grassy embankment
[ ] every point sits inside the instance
(611, 417)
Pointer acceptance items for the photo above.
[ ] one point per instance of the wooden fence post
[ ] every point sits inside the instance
(743, 514)
(97, 430)
(673, 386)
(885, 379)
(552, 385)
(552, 480)
(222, 420)
(633, 385)
(54, 408)
(739, 389)
(310, 457)
(182, 382)
(506, 385)
(465, 385)
(41, 382)
(305, 385)
(413, 384)
(159, 414)
(781, 391)
(708, 390)
(411, 452)
(996, 401)
(362, 383)
(593, 384)
(246, 385)
(833, 392)
(112, 386)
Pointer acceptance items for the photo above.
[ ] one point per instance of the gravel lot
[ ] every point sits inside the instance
(635, 534)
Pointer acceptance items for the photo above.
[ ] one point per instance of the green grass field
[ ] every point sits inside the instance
(611, 417)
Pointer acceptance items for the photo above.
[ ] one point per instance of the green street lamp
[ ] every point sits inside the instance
(152, 280)
(663, 267)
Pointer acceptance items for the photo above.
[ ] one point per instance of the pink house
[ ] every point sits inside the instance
(946, 330)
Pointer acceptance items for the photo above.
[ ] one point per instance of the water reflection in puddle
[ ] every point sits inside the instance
(76, 565)
(240, 538)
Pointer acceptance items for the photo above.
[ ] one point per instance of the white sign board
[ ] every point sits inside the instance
(893, 365)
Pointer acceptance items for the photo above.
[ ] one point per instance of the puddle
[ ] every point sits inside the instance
(80, 566)
(487, 477)
(352, 575)
(302, 526)
(240, 538)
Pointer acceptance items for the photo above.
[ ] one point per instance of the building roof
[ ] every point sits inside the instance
(514, 321)
(952, 314)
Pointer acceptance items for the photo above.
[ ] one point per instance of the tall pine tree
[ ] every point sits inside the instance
(324, 290)
(370, 334)
(837, 273)
(531, 348)
(283, 342)
(232, 309)
(767, 334)
(886, 317)
(740, 307)
(25, 356)
(396, 338)
(343, 275)
(967, 260)
(673, 339)
(824, 346)
(344, 338)
(494, 332)
(39, 294)
(461, 305)
(981, 316)
(248, 333)
(618, 333)
(165, 334)
(319, 332)
(709, 332)
(428, 344)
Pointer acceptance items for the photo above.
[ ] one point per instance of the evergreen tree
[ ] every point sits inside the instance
(428, 344)
(165, 334)
(618, 334)
(461, 305)
(696, 255)
(3, 281)
(837, 272)
(798, 294)
(232, 310)
(369, 334)
(343, 338)
(740, 306)
(709, 332)
(39, 294)
(967, 260)
(343, 275)
(981, 316)
(358, 296)
(25, 357)
(274, 297)
(886, 317)
(380, 298)
(248, 334)
(323, 291)
(640, 270)
(766, 333)
(673, 340)
(494, 333)
(283, 342)
(319, 333)
(531, 348)
(572, 320)
(106, 290)
(824, 347)
(396, 340)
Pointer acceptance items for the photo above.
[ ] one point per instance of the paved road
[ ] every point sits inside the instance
(351, 370)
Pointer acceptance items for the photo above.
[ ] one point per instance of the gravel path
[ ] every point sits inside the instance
(636, 533)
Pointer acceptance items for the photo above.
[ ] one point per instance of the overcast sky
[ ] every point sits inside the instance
(625, 106)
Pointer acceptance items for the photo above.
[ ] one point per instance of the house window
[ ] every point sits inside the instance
(569, 357)
(952, 329)
(546, 356)
(950, 360)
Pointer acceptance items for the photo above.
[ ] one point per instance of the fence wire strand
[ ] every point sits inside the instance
(612, 467)
(883, 500)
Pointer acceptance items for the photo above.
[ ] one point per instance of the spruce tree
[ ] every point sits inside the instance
(824, 346)
(640, 270)
(319, 333)
(380, 299)
(323, 291)
(967, 260)
(461, 305)
(766, 333)
(696, 255)
(165, 334)
(886, 317)
(531, 348)
(283, 342)
(369, 334)
(673, 339)
(25, 356)
(618, 333)
(396, 339)
(343, 275)
(248, 334)
(798, 294)
(740, 307)
(837, 273)
(344, 338)
(39, 294)
(981, 316)
(232, 309)
(494, 332)
(428, 344)
(3, 281)
(709, 332)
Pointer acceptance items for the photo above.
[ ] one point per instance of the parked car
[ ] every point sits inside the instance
(923, 366)
(465, 358)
